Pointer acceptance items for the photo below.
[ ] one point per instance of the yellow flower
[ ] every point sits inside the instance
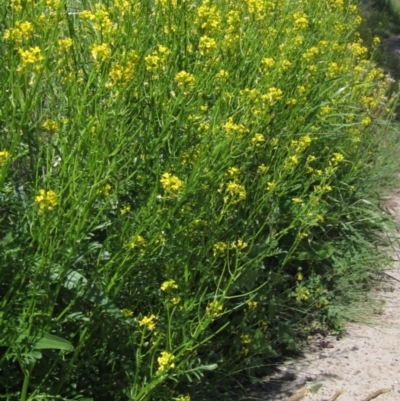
(16, 5)
(252, 305)
(300, 20)
(126, 209)
(337, 157)
(268, 62)
(219, 248)
(30, 56)
(237, 191)
(233, 171)
(299, 276)
(214, 308)
(240, 244)
(185, 79)
(208, 17)
(22, 31)
(139, 241)
(207, 45)
(183, 398)
(297, 200)
(86, 14)
(156, 60)
(46, 200)
(105, 190)
(148, 321)
(245, 338)
(366, 121)
(273, 95)
(262, 168)
(126, 312)
(171, 183)
(64, 44)
(169, 285)
(376, 40)
(165, 361)
(302, 294)
(257, 139)
(101, 53)
(50, 125)
(4, 155)
(222, 75)
(231, 128)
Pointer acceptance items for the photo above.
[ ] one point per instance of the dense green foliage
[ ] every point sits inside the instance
(185, 189)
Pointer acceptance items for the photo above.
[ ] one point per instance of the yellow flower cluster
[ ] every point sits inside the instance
(126, 312)
(245, 339)
(302, 294)
(183, 398)
(157, 59)
(214, 308)
(50, 125)
(64, 44)
(53, 3)
(252, 305)
(171, 183)
(148, 322)
(126, 209)
(121, 73)
(239, 244)
(185, 79)
(30, 56)
(100, 19)
(258, 139)
(272, 96)
(207, 45)
(236, 192)
(208, 17)
(46, 200)
(337, 158)
(222, 75)
(22, 32)
(105, 190)
(4, 155)
(138, 241)
(232, 32)
(300, 20)
(169, 285)
(231, 128)
(219, 248)
(100, 53)
(165, 361)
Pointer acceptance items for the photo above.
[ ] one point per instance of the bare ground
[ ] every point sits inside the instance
(364, 363)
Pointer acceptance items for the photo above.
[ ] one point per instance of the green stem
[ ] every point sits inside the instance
(27, 377)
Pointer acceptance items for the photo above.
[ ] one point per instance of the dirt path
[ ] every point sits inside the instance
(366, 359)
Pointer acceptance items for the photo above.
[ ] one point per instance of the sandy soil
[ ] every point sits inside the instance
(361, 362)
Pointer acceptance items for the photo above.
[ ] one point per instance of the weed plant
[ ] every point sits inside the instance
(182, 188)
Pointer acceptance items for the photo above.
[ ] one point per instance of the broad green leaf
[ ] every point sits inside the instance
(75, 281)
(50, 341)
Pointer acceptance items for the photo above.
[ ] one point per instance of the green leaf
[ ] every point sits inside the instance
(75, 281)
(208, 367)
(50, 341)
(46, 340)
(314, 251)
